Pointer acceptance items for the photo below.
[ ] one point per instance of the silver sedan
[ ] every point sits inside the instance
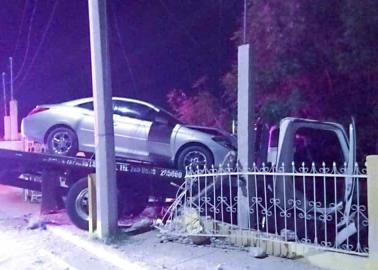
(143, 132)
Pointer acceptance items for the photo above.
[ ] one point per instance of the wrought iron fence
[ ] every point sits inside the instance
(325, 207)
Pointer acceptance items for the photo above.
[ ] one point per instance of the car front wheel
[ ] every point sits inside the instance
(196, 157)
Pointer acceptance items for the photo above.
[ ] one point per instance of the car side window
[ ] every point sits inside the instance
(132, 110)
(87, 105)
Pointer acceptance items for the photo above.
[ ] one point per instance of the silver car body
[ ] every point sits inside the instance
(140, 139)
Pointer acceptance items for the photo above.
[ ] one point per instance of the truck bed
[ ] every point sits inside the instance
(15, 164)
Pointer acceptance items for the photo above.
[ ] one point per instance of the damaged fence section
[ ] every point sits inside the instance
(324, 207)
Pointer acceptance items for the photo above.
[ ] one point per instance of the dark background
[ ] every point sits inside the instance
(155, 46)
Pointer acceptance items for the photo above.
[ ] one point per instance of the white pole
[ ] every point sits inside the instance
(4, 95)
(11, 78)
(246, 132)
(13, 106)
(7, 128)
(13, 114)
(106, 193)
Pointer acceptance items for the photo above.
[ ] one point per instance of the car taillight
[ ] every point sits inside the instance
(38, 110)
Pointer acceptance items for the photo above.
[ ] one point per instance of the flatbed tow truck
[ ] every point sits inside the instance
(65, 178)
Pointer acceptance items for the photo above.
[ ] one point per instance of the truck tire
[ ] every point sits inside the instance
(132, 201)
(77, 204)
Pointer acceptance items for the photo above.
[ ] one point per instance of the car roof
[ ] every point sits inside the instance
(90, 99)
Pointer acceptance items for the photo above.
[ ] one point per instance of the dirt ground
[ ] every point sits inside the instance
(57, 244)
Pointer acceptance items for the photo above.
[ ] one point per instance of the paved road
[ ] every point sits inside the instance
(65, 247)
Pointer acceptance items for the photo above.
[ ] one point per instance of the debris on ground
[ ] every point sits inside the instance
(200, 240)
(257, 252)
(142, 224)
(191, 221)
(288, 235)
(36, 222)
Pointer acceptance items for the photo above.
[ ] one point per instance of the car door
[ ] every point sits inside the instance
(85, 128)
(159, 137)
(131, 128)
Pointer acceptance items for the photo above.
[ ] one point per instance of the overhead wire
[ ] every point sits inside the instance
(245, 22)
(123, 49)
(32, 16)
(20, 27)
(39, 47)
(170, 13)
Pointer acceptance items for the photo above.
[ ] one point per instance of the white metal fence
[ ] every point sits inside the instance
(316, 205)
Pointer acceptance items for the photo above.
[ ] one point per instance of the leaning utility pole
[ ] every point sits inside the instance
(106, 192)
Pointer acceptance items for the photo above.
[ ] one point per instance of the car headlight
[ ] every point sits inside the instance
(225, 142)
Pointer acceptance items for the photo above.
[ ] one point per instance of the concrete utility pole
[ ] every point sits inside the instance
(246, 131)
(13, 106)
(106, 192)
(7, 123)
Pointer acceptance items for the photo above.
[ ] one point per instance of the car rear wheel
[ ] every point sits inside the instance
(195, 156)
(62, 141)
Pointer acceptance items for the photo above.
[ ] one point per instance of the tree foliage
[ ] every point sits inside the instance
(315, 59)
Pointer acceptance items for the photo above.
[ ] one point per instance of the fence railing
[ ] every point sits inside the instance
(325, 207)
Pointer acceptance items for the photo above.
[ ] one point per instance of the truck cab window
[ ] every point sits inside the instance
(314, 145)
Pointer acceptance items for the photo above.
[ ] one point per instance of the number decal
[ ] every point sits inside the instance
(171, 173)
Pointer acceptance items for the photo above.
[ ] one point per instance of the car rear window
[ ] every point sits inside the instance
(87, 105)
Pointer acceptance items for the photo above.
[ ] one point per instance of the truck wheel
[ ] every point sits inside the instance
(131, 202)
(77, 204)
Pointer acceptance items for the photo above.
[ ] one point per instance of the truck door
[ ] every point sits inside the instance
(314, 147)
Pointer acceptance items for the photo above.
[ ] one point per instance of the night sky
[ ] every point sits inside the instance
(155, 46)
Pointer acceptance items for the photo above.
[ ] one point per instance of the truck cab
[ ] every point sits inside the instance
(314, 162)
(301, 140)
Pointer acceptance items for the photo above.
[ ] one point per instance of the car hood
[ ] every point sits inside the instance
(209, 130)
(216, 132)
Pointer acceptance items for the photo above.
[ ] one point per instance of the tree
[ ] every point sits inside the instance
(203, 108)
(314, 59)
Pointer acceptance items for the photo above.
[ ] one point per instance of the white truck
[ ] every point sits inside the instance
(316, 191)
(305, 186)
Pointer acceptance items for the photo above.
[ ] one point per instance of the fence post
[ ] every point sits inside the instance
(372, 184)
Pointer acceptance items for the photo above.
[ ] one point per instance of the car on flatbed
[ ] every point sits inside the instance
(142, 132)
